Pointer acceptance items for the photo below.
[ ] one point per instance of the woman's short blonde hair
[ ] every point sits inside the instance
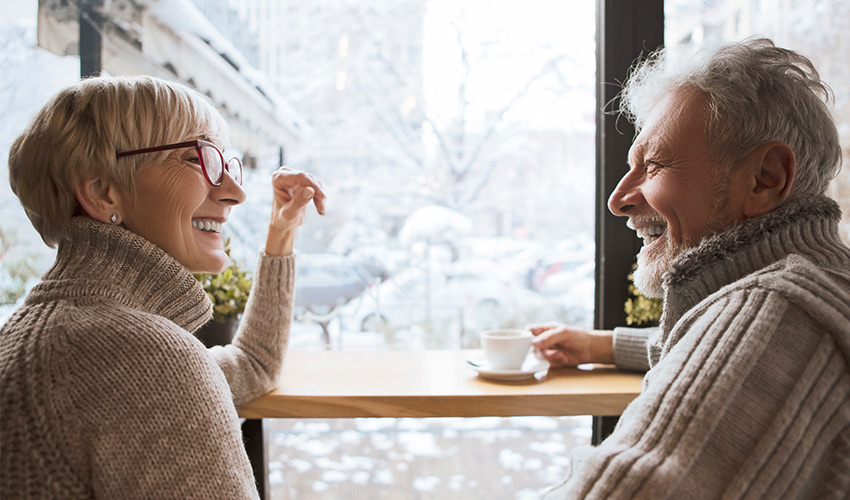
(78, 133)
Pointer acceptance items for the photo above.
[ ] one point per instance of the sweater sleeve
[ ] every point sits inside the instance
(252, 362)
(630, 348)
(727, 410)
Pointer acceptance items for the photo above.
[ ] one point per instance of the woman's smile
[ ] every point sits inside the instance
(207, 225)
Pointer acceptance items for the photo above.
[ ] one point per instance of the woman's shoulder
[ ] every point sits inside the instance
(105, 364)
(140, 337)
(82, 340)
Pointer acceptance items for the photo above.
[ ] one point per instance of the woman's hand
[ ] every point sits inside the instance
(563, 345)
(293, 191)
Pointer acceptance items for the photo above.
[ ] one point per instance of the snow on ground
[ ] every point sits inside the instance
(432, 458)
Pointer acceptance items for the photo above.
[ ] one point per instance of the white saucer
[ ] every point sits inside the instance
(478, 362)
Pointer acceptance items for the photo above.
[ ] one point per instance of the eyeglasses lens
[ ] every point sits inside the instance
(234, 168)
(212, 163)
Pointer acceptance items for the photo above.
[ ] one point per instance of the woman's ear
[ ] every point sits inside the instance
(773, 169)
(99, 200)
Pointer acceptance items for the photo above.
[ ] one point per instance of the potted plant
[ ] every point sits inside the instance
(641, 310)
(228, 292)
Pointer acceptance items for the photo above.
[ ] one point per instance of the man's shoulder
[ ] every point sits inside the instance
(794, 295)
(796, 273)
(822, 290)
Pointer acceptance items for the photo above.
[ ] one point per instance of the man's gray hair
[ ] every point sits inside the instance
(757, 93)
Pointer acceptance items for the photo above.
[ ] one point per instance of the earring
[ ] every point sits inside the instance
(113, 218)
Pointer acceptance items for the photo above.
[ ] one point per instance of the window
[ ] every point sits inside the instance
(456, 141)
(453, 137)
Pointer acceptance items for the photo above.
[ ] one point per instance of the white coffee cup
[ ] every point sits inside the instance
(506, 348)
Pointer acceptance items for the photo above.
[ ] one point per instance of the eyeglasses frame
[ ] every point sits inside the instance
(197, 143)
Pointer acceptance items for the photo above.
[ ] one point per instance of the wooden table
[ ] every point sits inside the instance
(348, 384)
(351, 384)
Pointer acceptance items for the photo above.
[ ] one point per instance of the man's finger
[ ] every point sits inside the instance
(549, 338)
(537, 329)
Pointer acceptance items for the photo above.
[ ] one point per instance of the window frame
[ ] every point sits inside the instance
(626, 29)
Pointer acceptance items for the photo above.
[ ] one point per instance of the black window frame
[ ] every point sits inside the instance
(626, 30)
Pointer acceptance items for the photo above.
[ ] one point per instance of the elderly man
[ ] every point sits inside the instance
(748, 395)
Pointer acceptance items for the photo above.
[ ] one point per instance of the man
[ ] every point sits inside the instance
(748, 395)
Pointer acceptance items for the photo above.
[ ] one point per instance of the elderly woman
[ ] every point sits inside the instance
(104, 392)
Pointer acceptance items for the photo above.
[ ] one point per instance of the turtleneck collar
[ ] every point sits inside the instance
(97, 261)
(806, 226)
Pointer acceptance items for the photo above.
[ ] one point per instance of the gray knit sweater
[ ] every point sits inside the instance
(749, 391)
(105, 393)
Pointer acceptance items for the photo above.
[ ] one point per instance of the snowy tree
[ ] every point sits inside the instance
(363, 75)
(30, 76)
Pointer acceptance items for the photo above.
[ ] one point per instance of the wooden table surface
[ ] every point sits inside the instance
(348, 384)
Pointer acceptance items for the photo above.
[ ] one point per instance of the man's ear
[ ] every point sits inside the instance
(100, 200)
(772, 170)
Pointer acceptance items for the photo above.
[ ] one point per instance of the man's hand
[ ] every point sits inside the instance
(563, 345)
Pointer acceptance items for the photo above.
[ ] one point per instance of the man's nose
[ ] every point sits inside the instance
(625, 196)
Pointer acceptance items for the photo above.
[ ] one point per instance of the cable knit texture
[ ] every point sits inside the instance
(748, 396)
(105, 393)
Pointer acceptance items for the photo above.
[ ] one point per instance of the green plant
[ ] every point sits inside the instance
(14, 273)
(227, 290)
(641, 310)
(13, 281)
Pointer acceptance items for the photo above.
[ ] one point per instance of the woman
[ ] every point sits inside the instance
(104, 392)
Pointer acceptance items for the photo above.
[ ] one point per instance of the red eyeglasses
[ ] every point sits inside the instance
(210, 158)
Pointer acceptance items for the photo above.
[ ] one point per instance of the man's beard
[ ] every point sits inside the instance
(651, 266)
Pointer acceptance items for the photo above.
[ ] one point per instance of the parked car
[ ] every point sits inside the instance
(561, 273)
(448, 306)
(327, 281)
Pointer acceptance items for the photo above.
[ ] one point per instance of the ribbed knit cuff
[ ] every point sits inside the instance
(629, 346)
(277, 271)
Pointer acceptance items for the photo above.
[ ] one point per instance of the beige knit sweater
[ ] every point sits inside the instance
(748, 396)
(105, 393)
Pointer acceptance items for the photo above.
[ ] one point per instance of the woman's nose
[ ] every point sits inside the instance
(625, 196)
(229, 191)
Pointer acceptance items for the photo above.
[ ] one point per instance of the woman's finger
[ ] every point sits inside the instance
(286, 182)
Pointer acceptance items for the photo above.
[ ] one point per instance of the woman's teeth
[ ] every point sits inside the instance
(209, 226)
(650, 233)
